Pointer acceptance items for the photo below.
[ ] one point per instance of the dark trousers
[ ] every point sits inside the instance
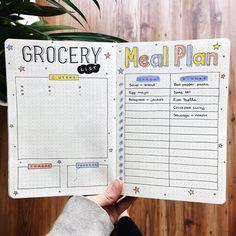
(126, 227)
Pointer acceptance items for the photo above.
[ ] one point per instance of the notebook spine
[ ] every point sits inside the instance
(121, 132)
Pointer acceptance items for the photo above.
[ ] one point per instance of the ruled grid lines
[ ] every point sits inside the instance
(171, 147)
(170, 133)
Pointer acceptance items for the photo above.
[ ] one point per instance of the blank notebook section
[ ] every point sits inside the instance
(45, 124)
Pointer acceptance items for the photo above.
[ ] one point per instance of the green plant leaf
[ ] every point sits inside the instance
(15, 17)
(16, 30)
(42, 27)
(11, 28)
(3, 97)
(3, 88)
(85, 36)
(55, 3)
(30, 8)
(72, 5)
(97, 4)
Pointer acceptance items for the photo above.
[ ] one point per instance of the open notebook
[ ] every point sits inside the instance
(153, 114)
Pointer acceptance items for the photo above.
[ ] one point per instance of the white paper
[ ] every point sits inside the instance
(172, 100)
(61, 131)
(154, 115)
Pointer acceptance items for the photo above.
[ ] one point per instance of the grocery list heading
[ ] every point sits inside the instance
(86, 58)
(183, 56)
(62, 54)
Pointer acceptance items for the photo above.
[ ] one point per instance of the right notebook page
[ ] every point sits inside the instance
(172, 119)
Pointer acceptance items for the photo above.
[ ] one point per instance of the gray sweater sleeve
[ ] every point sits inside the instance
(82, 217)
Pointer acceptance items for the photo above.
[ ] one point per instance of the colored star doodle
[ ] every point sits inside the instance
(216, 46)
(222, 76)
(9, 47)
(191, 192)
(107, 55)
(21, 68)
(136, 190)
(120, 71)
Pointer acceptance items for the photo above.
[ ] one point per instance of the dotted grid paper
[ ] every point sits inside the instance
(61, 122)
(172, 119)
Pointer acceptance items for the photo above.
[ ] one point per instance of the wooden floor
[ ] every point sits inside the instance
(144, 20)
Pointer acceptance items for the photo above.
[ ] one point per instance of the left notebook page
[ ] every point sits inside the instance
(61, 117)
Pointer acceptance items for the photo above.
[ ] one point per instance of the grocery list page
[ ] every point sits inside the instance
(172, 114)
(61, 115)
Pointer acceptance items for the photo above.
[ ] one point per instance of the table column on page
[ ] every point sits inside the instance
(146, 129)
(193, 131)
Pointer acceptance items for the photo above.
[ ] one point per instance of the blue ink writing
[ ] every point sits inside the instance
(194, 78)
(148, 78)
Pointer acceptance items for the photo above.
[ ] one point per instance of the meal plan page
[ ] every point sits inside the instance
(172, 101)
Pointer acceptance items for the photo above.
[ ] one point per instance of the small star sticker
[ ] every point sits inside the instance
(9, 47)
(59, 161)
(21, 68)
(220, 145)
(136, 190)
(191, 192)
(120, 71)
(107, 55)
(222, 76)
(216, 46)
(15, 193)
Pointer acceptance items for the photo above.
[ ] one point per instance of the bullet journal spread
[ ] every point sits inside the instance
(153, 114)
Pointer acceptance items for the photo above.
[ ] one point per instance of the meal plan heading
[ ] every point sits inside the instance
(182, 54)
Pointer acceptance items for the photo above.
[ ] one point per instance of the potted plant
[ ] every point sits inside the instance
(12, 12)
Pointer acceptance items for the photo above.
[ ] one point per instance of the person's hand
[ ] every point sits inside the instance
(110, 202)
